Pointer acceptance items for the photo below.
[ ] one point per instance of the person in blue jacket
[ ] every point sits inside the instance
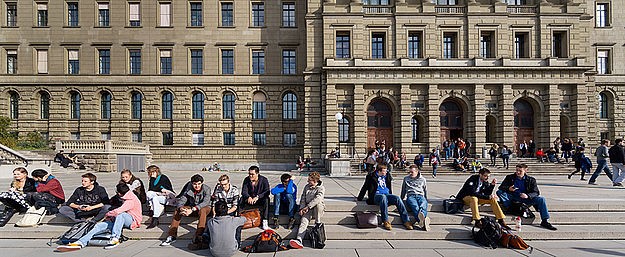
(285, 192)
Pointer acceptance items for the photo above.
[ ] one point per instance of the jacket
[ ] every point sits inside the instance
(159, 183)
(29, 186)
(95, 196)
(414, 186)
(313, 196)
(617, 154)
(602, 153)
(132, 206)
(52, 186)
(371, 185)
(261, 190)
(188, 197)
(531, 188)
(470, 188)
(280, 189)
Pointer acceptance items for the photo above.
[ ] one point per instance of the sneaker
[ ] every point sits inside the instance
(387, 225)
(153, 223)
(296, 244)
(408, 225)
(582, 179)
(69, 247)
(112, 244)
(275, 223)
(569, 176)
(421, 218)
(265, 226)
(426, 224)
(617, 184)
(291, 223)
(592, 183)
(547, 225)
(168, 241)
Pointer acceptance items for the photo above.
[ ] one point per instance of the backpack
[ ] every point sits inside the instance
(267, 241)
(521, 210)
(32, 218)
(317, 236)
(509, 240)
(103, 238)
(76, 232)
(490, 233)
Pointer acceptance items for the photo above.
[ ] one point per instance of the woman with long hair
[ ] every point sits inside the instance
(14, 200)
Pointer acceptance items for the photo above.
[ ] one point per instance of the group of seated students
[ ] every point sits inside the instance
(476, 190)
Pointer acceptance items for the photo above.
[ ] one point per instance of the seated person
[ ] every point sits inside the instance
(215, 167)
(308, 162)
(418, 160)
(49, 191)
(520, 187)
(378, 188)
(136, 186)
(313, 207)
(224, 232)
(284, 193)
(14, 200)
(126, 216)
(300, 163)
(61, 158)
(160, 193)
(335, 153)
(88, 200)
(255, 194)
(457, 165)
(476, 165)
(414, 189)
(195, 198)
(227, 193)
(478, 191)
(540, 155)
(552, 155)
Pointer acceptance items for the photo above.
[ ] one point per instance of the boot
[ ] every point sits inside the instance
(153, 223)
(275, 223)
(6, 216)
(291, 223)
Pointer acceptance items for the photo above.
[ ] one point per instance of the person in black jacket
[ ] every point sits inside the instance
(520, 187)
(14, 200)
(255, 194)
(89, 200)
(160, 192)
(617, 159)
(477, 191)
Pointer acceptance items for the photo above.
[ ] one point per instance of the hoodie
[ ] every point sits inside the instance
(281, 190)
(414, 186)
(312, 196)
(132, 206)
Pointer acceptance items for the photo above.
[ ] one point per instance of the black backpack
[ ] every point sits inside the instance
(490, 233)
(76, 232)
(268, 241)
(317, 236)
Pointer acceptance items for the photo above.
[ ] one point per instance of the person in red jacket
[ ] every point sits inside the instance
(49, 190)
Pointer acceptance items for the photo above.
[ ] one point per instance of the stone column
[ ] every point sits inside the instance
(433, 120)
(506, 123)
(551, 117)
(332, 127)
(405, 115)
(312, 116)
(580, 110)
(360, 119)
(479, 109)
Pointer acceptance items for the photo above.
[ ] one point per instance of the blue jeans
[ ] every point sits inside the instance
(434, 168)
(447, 151)
(506, 161)
(602, 165)
(123, 220)
(417, 203)
(276, 202)
(538, 202)
(385, 200)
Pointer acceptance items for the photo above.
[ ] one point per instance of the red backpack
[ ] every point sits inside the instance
(268, 241)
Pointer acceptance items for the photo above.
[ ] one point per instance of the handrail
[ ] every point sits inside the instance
(12, 156)
(102, 146)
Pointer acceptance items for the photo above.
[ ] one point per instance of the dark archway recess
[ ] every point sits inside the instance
(452, 120)
(523, 122)
(379, 123)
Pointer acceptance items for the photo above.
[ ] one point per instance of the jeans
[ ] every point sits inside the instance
(417, 203)
(602, 165)
(493, 160)
(538, 202)
(447, 151)
(123, 220)
(506, 162)
(77, 215)
(277, 200)
(434, 168)
(385, 200)
(619, 172)
(157, 202)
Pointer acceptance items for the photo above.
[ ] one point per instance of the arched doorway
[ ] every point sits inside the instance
(379, 123)
(452, 121)
(523, 122)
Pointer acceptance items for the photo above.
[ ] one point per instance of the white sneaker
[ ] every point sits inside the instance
(168, 241)
(112, 244)
(265, 226)
(427, 224)
(421, 220)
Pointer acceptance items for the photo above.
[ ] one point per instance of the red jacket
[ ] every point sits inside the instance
(53, 186)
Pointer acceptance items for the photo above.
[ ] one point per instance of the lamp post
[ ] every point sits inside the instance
(339, 117)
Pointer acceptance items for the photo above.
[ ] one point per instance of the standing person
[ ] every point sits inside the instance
(446, 148)
(312, 201)
(493, 154)
(452, 149)
(414, 190)
(227, 193)
(602, 162)
(300, 163)
(581, 143)
(49, 190)
(224, 232)
(617, 158)
(580, 163)
(88, 200)
(520, 187)
(14, 200)
(505, 156)
(478, 191)
(567, 147)
(467, 148)
(284, 193)
(160, 192)
(531, 148)
(557, 144)
(255, 194)
(126, 216)
(136, 186)
(523, 148)
(461, 146)
(434, 162)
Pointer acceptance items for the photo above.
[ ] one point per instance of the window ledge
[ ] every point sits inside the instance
(227, 27)
(10, 27)
(606, 27)
(195, 27)
(164, 27)
(257, 27)
(101, 27)
(71, 27)
(284, 27)
(133, 27)
(39, 27)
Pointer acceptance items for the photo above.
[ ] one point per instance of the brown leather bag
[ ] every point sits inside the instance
(509, 240)
(366, 219)
(253, 218)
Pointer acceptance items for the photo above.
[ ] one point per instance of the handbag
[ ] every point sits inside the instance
(521, 210)
(509, 240)
(366, 219)
(252, 218)
(453, 205)
(317, 236)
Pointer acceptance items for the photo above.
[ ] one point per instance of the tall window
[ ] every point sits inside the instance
(11, 14)
(449, 45)
(414, 44)
(258, 61)
(375, 2)
(197, 61)
(136, 105)
(42, 15)
(228, 105)
(229, 138)
(104, 61)
(105, 105)
(196, 14)
(11, 61)
(414, 124)
(135, 61)
(603, 106)
(198, 105)
(74, 105)
(165, 16)
(521, 45)
(227, 61)
(446, 2)
(559, 44)
(197, 139)
(15, 106)
(44, 105)
(343, 130)
(486, 44)
(602, 16)
(288, 14)
(288, 61)
(72, 14)
(168, 138)
(42, 61)
(258, 106)
(134, 17)
(227, 16)
(289, 139)
(342, 45)
(73, 63)
(258, 14)
(136, 137)
(165, 61)
(103, 15)
(378, 50)
(603, 62)
(167, 105)
(260, 138)
(289, 106)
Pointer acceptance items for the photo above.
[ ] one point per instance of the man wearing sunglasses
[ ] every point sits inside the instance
(255, 194)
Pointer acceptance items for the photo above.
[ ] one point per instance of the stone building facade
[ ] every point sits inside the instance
(262, 81)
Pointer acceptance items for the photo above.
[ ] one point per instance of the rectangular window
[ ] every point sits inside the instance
(227, 16)
(487, 44)
(605, 135)
(11, 61)
(258, 61)
(198, 139)
(288, 61)
(73, 63)
(42, 61)
(342, 45)
(521, 45)
(103, 15)
(289, 139)
(165, 16)
(168, 138)
(603, 62)
(516, 2)
(229, 138)
(134, 14)
(227, 61)
(602, 16)
(135, 61)
(165, 61)
(258, 14)
(449, 45)
(288, 15)
(446, 2)
(260, 138)
(560, 44)
(11, 14)
(196, 15)
(197, 61)
(136, 137)
(259, 111)
(106, 135)
(378, 49)
(72, 14)
(414, 44)
(104, 61)
(74, 135)
(375, 2)
(42, 15)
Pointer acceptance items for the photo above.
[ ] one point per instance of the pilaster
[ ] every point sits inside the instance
(360, 118)
(507, 117)
(479, 108)
(552, 116)
(433, 120)
(332, 127)
(405, 117)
